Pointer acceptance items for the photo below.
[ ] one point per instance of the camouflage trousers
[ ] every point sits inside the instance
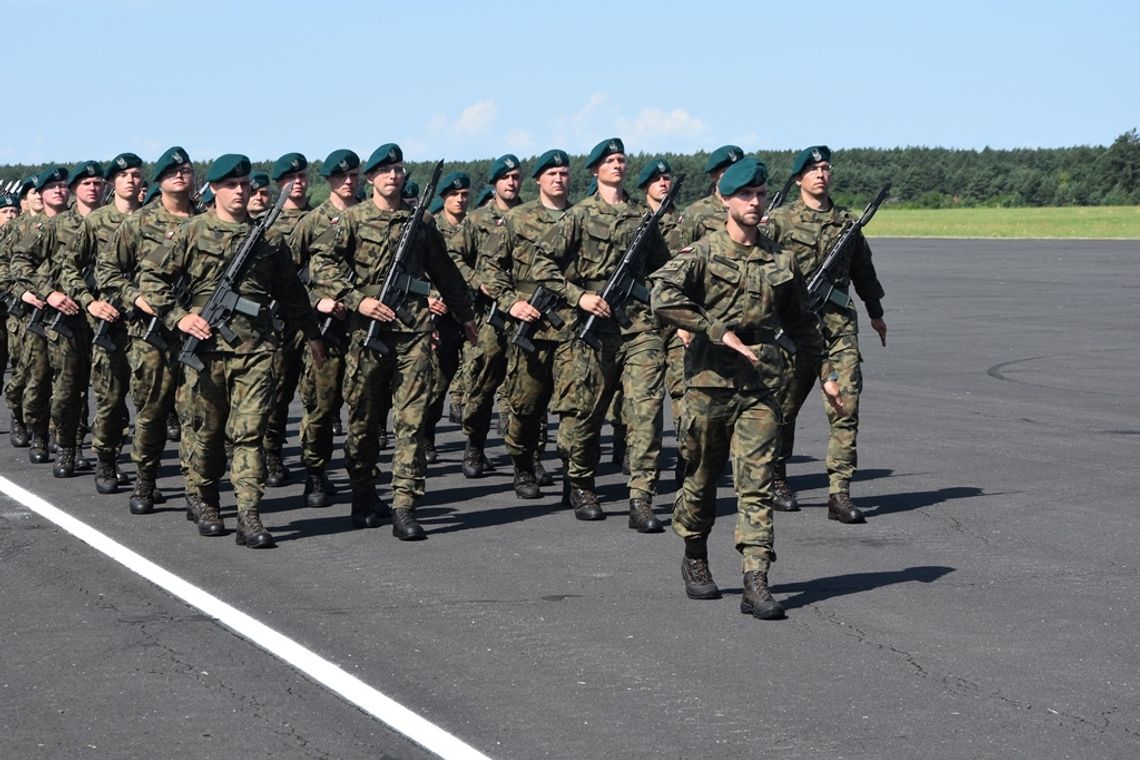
(4, 355)
(585, 381)
(447, 358)
(232, 394)
(71, 376)
(400, 380)
(486, 369)
(675, 378)
(842, 455)
(287, 363)
(719, 424)
(529, 389)
(322, 397)
(111, 381)
(37, 378)
(14, 392)
(154, 376)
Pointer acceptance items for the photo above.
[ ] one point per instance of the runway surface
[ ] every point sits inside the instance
(987, 609)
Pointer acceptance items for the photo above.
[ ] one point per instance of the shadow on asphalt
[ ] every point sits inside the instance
(904, 502)
(820, 589)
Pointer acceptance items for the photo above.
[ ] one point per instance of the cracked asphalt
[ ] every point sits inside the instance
(988, 608)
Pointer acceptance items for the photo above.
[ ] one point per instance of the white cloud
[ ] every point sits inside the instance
(651, 123)
(520, 141)
(476, 118)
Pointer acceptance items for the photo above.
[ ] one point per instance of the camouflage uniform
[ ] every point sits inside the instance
(363, 242)
(731, 405)
(10, 233)
(808, 235)
(701, 217)
(447, 356)
(576, 256)
(234, 389)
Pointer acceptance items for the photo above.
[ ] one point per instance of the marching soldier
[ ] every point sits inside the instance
(706, 215)
(30, 205)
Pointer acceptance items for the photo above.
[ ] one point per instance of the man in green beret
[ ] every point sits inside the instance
(153, 348)
(807, 228)
(31, 207)
(259, 194)
(234, 387)
(110, 369)
(706, 214)
(9, 208)
(734, 291)
(574, 260)
(321, 385)
(507, 273)
(349, 263)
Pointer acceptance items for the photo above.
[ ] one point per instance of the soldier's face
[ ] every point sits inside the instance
(555, 182)
(128, 183)
(258, 200)
(177, 180)
(507, 186)
(611, 171)
(746, 206)
(7, 214)
(344, 186)
(816, 179)
(55, 195)
(88, 190)
(388, 180)
(231, 195)
(455, 202)
(659, 188)
(300, 185)
(34, 201)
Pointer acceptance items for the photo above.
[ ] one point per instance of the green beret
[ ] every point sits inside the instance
(151, 194)
(8, 200)
(171, 159)
(258, 180)
(206, 198)
(228, 165)
(484, 196)
(436, 205)
(807, 156)
(725, 155)
(747, 172)
(411, 189)
(502, 165)
(54, 174)
(603, 149)
(592, 187)
(289, 164)
(26, 184)
(454, 181)
(340, 162)
(652, 171)
(83, 171)
(386, 154)
(549, 160)
(122, 162)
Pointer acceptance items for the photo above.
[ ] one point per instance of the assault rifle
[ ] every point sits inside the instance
(60, 323)
(152, 334)
(820, 288)
(331, 337)
(225, 300)
(102, 337)
(622, 286)
(36, 323)
(398, 284)
(546, 301)
(779, 198)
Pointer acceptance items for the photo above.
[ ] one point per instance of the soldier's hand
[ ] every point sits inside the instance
(436, 306)
(881, 328)
(30, 298)
(471, 330)
(738, 346)
(375, 309)
(685, 336)
(524, 311)
(332, 307)
(142, 305)
(61, 302)
(103, 310)
(317, 349)
(592, 303)
(485, 291)
(194, 325)
(834, 396)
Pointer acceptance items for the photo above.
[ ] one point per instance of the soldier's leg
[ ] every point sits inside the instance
(185, 407)
(412, 380)
(802, 376)
(362, 395)
(153, 390)
(37, 394)
(287, 370)
(4, 351)
(14, 392)
(110, 379)
(321, 398)
(642, 361)
(458, 389)
(71, 365)
(675, 386)
(842, 455)
(615, 415)
(486, 369)
(754, 444)
(529, 386)
(446, 365)
(251, 384)
(206, 460)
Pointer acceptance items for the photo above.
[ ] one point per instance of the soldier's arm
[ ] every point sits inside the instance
(496, 265)
(463, 246)
(330, 268)
(27, 261)
(115, 265)
(801, 323)
(72, 261)
(563, 237)
(864, 278)
(445, 275)
(675, 292)
(292, 295)
(158, 273)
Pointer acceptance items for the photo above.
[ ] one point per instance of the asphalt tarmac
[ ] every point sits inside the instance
(987, 609)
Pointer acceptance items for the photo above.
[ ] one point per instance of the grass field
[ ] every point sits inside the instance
(1120, 222)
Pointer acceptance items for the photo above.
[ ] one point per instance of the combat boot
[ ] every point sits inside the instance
(641, 517)
(38, 453)
(316, 495)
(383, 439)
(585, 504)
(53, 443)
(783, 497)
(431, 456)
(338, 427)
(64, 464)
(472, 461)
(18, 432)
(210, 523)
(455, 413)
(625, 462)
(699, 583)
(193, 507)
(841, 508)
(250, 531)
(82, 463)
(757, 600)
(366, 512)
(142, 498)
(105, 480)
(121, 477)
(405, 526)
(173, 428)
(526, 486)
(276, 474)
(541, 475)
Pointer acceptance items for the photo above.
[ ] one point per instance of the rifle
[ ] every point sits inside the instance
(153, 332)
(779, 198)
(397, 283)
(331, 337)
(36, 323)
(546, 301)
(621, 286)
(196, 199)
(102, 337)
(820, 288)
(60, 322)
(225, 300)
(495, 316)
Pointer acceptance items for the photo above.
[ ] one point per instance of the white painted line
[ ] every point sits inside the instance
(383, 708)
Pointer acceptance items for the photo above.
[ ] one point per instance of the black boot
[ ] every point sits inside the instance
(641, 517)
(405, 526)
(105, 480)
(431, 456)
(316, 495)
(82, 463)
(383, 440)
(585, 504)
(64, 464)
(699, 583)
(783, 497)
(455, 413)
(841, 508)
(142, 498)
(276, 474)
(53, 443)
(250, 531)
(338, 427)
(173, 428)
(473, 461)
(193, 507)
(526, 486)
(757, 600)
(366, 510)
(38, 453)
(543, 477)
(121, 477)
(210, 522)
(18, 432)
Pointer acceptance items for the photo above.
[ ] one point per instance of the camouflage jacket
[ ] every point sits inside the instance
(10, 234)
(363, 242)
(474, 240)
(286, 223)
(701, 217)
(809, 235)
(97, 234)
(584, 248)
(717, 285)
(202, 249)
(506, 264)
(37, 258)
(305, 231)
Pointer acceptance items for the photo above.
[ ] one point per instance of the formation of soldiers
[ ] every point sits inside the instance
(498, 302)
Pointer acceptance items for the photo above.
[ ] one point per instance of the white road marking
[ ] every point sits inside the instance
(383, 708)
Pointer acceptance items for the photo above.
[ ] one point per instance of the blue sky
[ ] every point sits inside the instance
(473, 80)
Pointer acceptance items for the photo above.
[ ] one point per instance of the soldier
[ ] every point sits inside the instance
(110, 369)
(706, 215)
(486, 364)
(807, 228)
(234, 387)
(31, 206)
(574, 260)
(349, 263)
(734, 291)
(9, 210)
(321, 385)
(9, 207)
(294, 168)
(259, 194)
(510, 278)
